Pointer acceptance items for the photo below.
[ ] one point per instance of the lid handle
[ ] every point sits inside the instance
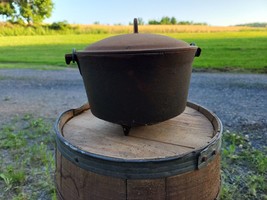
(135, 22)
(198, 52)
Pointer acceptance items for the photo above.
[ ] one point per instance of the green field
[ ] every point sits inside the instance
(223, 51)
(27, 143)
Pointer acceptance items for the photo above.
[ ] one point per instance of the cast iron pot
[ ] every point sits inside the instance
(136, 79)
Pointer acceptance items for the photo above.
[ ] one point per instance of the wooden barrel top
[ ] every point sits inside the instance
(192, 130)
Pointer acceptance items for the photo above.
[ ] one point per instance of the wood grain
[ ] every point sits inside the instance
(203, 184)
(182, 134)
(79, 184)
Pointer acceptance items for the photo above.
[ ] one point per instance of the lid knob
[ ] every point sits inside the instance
(135, 25)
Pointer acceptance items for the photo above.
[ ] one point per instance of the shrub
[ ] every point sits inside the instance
(63, 25)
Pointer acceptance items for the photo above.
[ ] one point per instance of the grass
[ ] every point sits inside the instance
(27, 160)
(27, 163)
(39, 51)
(244, 168)
(223, 50)
(8, 29)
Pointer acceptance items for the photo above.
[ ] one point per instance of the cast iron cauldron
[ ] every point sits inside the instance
(136, 79)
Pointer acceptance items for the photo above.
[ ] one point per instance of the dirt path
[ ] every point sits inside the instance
(240, 100)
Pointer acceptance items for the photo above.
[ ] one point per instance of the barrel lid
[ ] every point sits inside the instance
(138, 42)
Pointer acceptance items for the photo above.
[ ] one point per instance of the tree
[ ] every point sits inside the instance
(35, 11)
(165, 20)
(7, 8)
(153, 22)
(173, 21)
(140, 21)
(30, 11)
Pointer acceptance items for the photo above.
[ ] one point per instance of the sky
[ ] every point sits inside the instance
(212, 12)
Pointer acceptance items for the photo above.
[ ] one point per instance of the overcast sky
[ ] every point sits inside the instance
(213, 12)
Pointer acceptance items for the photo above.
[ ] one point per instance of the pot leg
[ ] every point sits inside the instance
(126, 129)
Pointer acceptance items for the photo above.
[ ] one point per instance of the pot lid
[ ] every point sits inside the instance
(136, 42)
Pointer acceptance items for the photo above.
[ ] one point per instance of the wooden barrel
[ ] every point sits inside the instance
(175, 159)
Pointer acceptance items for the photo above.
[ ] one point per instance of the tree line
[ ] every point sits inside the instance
(165, 20)
(255, 24)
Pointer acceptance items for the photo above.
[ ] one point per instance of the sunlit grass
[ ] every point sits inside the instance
(14, 41)
(163, 28)
(234, 51)
(8, 29)
(90, 38)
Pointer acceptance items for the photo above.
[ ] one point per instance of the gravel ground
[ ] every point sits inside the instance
(240, 100)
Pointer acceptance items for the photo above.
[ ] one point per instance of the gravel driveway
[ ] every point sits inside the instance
(240, 100)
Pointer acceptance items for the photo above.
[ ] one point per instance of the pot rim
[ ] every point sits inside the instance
(139, 51)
